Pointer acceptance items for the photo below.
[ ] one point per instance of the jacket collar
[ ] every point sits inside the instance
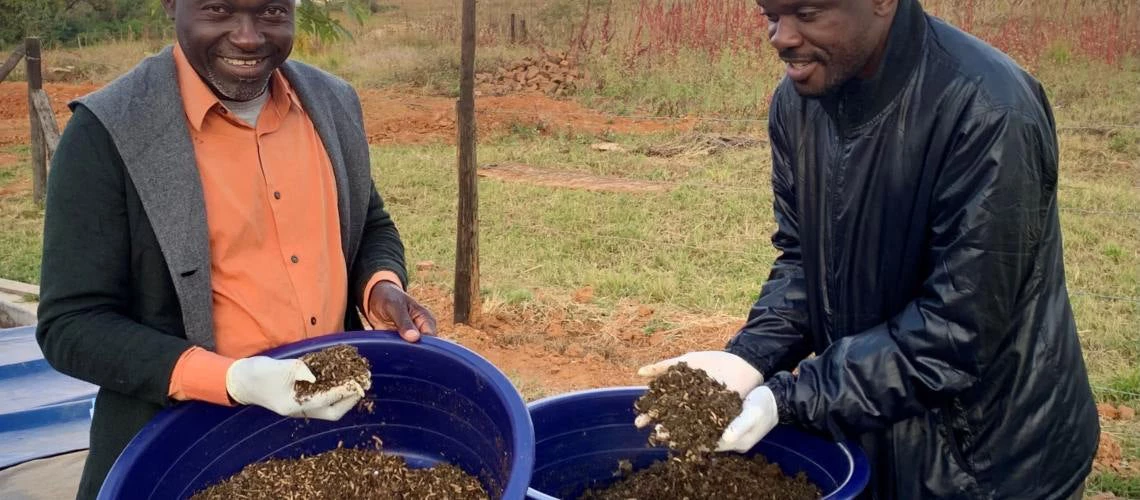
(860, 100)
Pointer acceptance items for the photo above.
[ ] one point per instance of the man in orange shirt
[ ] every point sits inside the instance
(214, 202)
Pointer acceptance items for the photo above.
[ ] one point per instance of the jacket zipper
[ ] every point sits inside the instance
(831, 219)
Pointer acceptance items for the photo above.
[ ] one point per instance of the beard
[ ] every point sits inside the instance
(836, 66)
(239, 90)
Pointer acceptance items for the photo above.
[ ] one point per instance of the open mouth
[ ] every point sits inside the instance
(242, 63)
(800, 70)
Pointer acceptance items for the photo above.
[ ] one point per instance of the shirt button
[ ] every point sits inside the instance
(313, 320)
(277, 195)
(294, 259)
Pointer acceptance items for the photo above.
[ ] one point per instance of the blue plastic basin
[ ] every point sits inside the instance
(433, 401)
(581, 436)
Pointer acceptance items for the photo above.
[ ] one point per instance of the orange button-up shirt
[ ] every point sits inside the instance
(278, 270)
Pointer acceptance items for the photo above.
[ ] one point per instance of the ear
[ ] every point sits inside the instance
(168, 6)
(882, 8)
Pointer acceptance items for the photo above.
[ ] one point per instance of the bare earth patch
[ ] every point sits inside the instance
(391, 116)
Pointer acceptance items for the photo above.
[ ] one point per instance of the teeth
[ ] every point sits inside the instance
(241, 62)
(800, 65)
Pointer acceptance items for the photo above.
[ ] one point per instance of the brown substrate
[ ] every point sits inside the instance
(690, 409)
(346, 474)
(332, 367)
(727, 476)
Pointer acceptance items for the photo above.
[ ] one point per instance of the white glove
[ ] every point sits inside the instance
(731, 370)
(268, 383)
(757, 418)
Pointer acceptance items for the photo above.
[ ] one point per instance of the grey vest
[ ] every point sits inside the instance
(143, 112)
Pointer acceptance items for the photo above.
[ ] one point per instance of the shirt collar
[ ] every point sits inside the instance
(198, 100)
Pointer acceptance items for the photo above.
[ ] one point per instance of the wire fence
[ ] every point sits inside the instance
(553, 115)
(666, 118)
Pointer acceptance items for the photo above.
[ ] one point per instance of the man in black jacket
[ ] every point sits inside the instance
(915, 181)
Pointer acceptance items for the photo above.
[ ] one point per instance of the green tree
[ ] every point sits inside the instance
(318, 25)
(318, 21)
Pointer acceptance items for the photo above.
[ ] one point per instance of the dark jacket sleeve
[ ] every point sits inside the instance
(992, 198)
(776, 334)
(84, 326)
(380, 245)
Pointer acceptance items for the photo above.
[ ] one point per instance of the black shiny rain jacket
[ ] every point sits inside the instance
(921, 261)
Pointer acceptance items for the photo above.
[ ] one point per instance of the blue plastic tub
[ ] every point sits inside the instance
(581, 436)
(42, 412)
(433, 401)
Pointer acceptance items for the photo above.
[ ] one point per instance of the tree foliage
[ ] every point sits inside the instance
(318, 21)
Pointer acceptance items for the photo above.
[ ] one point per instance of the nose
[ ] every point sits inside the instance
(783, 34)
(246, 36)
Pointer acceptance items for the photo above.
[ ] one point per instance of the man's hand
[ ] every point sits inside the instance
(757, 418)
(731, 370)
(268, 383)
(399, 311)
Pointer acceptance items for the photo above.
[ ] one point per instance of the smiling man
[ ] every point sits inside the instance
(214, 202)
(920, 259)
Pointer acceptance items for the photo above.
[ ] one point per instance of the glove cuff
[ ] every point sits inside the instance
(233, 388)
(780, 385)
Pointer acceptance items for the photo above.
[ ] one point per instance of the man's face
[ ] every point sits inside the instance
(825, 43)
(235, 45)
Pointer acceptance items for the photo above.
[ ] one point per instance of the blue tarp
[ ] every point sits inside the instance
(42, 412)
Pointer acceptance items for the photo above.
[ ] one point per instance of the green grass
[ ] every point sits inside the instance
(698, 247)
(731, 84)
(22, 223)
(1120, 485)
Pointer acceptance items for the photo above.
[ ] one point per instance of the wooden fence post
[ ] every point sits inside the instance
(48, 125)
(467, 297)
(12, 61)
(39, 148)
(512, 28)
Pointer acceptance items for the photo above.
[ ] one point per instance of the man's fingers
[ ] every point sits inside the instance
(734, 437)
(399, 312)
(350, 390)
(334, 412)
(424, 320)
(408, 329)
(658, 368)
(302, 372)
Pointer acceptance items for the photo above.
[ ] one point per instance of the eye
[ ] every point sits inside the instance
(807, 15)
(215, 9)
(276, 11)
